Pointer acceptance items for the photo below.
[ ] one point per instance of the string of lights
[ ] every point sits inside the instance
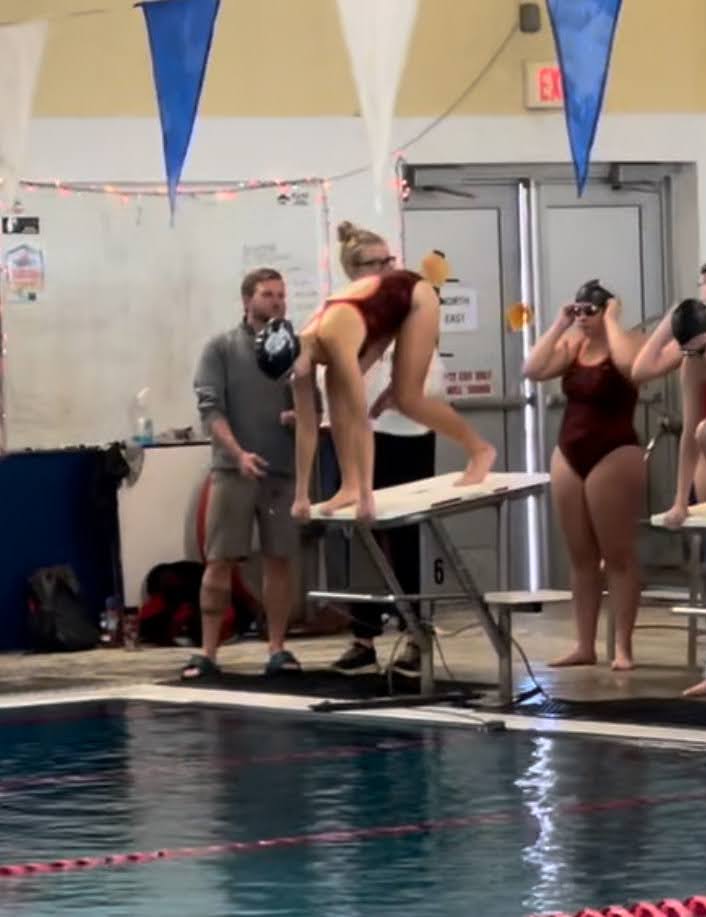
(228, 190)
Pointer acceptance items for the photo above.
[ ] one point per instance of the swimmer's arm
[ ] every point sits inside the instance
(551, 356)
(347, 368)
(623, 345)
(659, 355)
(288, 417)
(691, 378)
(307, 426)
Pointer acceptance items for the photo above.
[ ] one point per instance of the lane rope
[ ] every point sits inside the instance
(18, 870)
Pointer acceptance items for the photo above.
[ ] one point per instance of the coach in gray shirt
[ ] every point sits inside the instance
(250, 420)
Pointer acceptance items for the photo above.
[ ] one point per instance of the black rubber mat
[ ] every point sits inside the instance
(326, 683)
(642, 711)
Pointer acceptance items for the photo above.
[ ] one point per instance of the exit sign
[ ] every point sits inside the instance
(543, 87)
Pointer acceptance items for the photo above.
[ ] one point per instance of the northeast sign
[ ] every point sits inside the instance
(459, 309)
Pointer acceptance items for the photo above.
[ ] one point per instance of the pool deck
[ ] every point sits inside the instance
(660, 652)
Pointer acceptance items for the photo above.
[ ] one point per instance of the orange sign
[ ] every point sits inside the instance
(543, 86)
(519, 316)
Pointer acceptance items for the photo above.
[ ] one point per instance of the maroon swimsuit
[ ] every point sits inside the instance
(599, 414)
(385, 308)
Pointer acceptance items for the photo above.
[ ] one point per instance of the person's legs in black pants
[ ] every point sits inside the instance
(414, 460)
(398, 460)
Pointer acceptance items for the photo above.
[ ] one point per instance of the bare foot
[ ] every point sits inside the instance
(301, 510)
(365, 509)
(697, 690)
(339, 500)
(478, 467)
(622, 663)
(577, 657)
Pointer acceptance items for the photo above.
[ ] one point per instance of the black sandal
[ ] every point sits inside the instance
(205, 668)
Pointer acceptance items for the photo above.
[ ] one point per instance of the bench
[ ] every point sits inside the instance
(503, 605)
(692, 614)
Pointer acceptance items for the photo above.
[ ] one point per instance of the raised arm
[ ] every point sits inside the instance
(659, 355)
(692, 381)
(552, 354)
(624, 345)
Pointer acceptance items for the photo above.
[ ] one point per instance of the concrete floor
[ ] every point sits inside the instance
(660, 652)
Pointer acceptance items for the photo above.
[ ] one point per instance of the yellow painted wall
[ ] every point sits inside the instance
(280, 58)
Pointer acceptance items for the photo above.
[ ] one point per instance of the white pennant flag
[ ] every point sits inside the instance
(377, 33)
(21, 54)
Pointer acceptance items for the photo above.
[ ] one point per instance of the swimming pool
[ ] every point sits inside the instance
(257, 813)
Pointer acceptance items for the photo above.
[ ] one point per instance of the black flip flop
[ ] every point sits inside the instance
(205, 668)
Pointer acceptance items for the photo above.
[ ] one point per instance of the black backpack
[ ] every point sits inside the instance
(58, 618)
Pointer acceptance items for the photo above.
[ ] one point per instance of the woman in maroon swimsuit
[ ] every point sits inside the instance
(662, 354)
(680, 341)
(348, 334)
(597, 469)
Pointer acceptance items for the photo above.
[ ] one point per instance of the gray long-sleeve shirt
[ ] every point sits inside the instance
(229, 384)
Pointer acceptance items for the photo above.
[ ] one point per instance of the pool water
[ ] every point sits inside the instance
(366, 819)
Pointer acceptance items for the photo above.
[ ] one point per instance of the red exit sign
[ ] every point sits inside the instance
(543, 86)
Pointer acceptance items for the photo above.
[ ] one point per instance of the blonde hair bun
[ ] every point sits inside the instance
(347, 232)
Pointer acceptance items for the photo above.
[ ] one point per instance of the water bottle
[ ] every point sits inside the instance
(142, 425)
(131, 629)
(110, 622)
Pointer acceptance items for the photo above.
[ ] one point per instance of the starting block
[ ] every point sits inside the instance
(427, 504)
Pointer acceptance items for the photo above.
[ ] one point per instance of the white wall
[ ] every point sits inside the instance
(234, 149)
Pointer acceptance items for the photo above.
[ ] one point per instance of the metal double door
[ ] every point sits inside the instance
(519, 235)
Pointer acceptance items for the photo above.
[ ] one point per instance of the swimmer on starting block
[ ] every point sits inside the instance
(347, 335)
(680, 341)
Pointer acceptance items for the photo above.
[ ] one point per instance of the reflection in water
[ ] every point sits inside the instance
(538, 784)
(496, 824)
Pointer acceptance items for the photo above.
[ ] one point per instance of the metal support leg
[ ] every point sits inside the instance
(502, 546)
(499, 633)
(418, 630)
(505, 661)
(426, 660)
(426, 609)
(465, 581)
(695, 594)
(610, 632)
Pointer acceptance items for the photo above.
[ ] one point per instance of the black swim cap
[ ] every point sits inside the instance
(688, 320)
(593, 292)
(276, 348)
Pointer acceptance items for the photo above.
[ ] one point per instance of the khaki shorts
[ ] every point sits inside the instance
(235, 503)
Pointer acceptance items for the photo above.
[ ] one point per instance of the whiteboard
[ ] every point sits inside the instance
(118, 300)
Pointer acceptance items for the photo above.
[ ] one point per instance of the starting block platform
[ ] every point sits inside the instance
(693, 530)
(427, 504)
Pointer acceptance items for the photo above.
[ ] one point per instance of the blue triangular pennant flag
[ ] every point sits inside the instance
(180, 34)
(583, 33)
